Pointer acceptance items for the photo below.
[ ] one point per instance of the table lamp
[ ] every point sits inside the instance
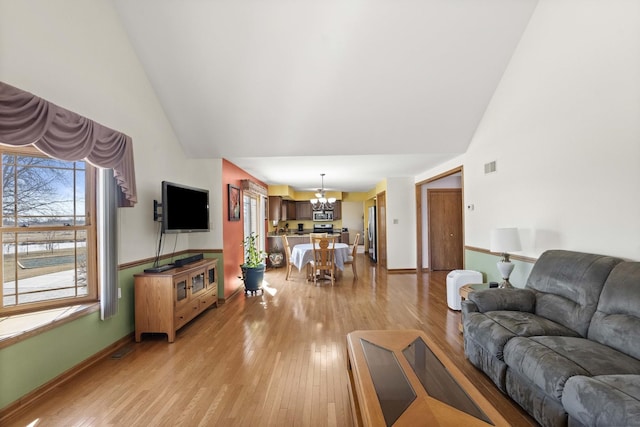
(504, 240)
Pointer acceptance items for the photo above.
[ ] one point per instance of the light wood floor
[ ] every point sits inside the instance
(277, 359)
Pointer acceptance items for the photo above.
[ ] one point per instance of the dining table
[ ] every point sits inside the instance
(302, 254)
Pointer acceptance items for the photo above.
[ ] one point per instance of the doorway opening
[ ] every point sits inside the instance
(254, 214)
(440, 236)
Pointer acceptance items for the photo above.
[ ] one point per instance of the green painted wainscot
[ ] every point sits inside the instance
(32, 362)
(486, 264)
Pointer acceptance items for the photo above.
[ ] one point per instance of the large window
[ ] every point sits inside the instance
(47, 231)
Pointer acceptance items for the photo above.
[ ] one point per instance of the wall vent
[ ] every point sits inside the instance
(490, 167)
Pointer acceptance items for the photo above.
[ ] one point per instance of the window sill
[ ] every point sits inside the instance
(18, 327)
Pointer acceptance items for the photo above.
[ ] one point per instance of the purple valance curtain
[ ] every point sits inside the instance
(26, 119)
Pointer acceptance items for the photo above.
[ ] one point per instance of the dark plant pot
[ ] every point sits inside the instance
(253, 277)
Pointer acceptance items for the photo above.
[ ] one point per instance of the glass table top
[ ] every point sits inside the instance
(394, 391)
(437, 381)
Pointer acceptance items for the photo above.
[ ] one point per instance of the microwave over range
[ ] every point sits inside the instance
(323, 215)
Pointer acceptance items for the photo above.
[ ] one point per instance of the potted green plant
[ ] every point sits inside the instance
(253, 267)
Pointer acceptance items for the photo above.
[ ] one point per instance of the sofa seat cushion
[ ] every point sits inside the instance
(611, 400)
(525, 324)
(492, 330)
(548, 362)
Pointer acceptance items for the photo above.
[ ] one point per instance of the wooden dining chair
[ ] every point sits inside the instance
(352, 258)
(287, 256)
(317, 235)
(324, 251)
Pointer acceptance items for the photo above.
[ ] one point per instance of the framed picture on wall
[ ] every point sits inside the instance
(234, 203)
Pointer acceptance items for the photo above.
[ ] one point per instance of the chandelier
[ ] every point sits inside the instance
(320, 202)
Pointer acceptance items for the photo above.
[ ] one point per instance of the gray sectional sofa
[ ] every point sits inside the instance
(566, 347)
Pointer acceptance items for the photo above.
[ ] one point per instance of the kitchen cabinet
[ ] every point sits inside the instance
(291, 210)
(303, 210)
(344, 237)
(275, 208)
(281, 210)
(337, 210)
(165, 302)
(287, 210)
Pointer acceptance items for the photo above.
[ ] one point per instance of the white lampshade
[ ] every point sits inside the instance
(505, 240)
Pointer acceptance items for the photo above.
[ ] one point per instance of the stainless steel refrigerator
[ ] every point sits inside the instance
(371, 233)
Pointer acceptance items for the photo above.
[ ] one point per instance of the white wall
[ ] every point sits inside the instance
(76, 54)
(401, 224)
(353, 219)
(564, 129)
(563, 125)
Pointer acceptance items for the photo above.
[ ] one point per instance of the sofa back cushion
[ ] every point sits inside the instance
(616, 322)
(568, 285)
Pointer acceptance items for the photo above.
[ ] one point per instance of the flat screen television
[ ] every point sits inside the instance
(184, 209)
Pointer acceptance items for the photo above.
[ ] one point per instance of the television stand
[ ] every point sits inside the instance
(165, 302)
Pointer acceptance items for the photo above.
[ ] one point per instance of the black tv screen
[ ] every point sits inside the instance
(184, 209)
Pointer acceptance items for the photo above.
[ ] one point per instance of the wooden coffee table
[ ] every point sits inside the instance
(401, 378)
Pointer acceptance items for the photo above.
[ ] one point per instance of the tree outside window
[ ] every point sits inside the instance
(47, 231)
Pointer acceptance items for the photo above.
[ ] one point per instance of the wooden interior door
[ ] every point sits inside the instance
(445, 228)
(381, 229)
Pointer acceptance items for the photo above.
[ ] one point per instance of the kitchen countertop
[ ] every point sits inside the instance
(295, 237)
(288, 233)
(297, 233)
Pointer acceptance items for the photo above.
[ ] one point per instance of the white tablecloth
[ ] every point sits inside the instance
(302, 255)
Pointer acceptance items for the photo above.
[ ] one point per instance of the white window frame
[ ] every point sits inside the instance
(92, 282)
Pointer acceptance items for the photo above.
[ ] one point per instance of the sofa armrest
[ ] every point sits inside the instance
(468, 307)
(512, 299)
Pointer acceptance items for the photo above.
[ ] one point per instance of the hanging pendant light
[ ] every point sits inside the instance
(321, 202)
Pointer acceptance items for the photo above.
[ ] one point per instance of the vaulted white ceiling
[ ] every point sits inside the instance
(360, 90)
